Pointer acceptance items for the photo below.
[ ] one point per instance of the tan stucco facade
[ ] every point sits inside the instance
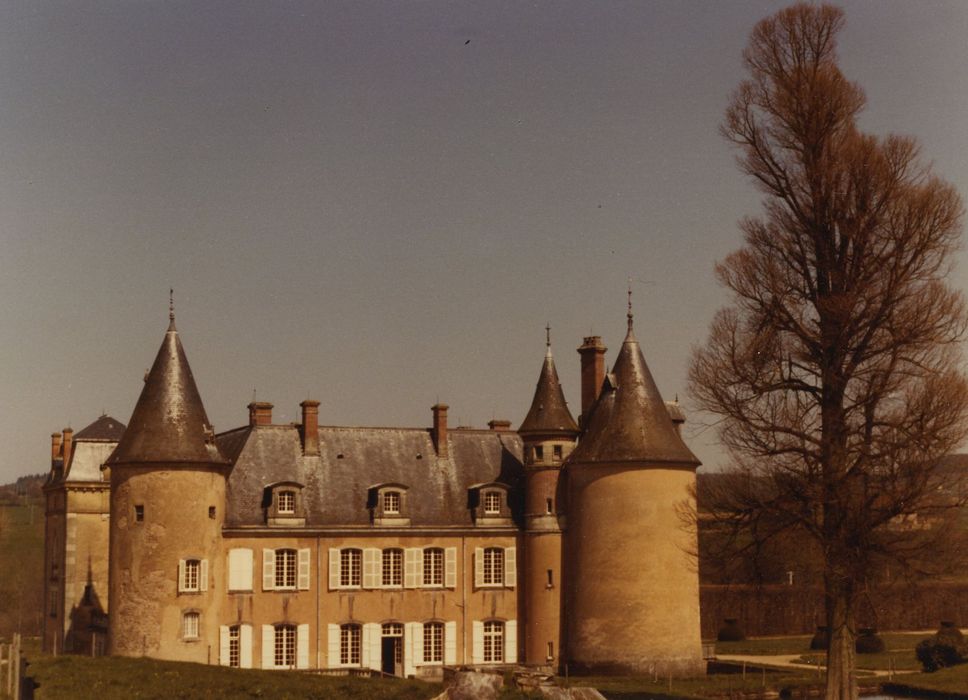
(632, 584)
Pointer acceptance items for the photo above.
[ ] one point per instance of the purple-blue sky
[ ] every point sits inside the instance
(355, 204)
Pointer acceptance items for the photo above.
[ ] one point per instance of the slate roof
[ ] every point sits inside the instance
(629, 422)
(549, 412)
(353, 460)
(87, 456)
(104, 428)
(169, 423)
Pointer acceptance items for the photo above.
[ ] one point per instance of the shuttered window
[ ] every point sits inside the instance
(493, 642)
(493, 566)
(433, 642)
(350, 645)
(351, 567)
(433, 566)
(392, 570)
(285, 570)
(284, 646)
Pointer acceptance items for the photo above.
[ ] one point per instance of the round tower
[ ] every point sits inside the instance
(632, 584)
(548, 433)
(167, 500)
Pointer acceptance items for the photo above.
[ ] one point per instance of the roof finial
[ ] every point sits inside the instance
(171, 306)
(629, 314)
(548, 335)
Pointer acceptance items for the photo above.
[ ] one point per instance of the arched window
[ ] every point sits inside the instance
(190, 624)
(492, 503)
(285, 576)
(350, 644)
(287, 502)
(391, 503)
(493, 642)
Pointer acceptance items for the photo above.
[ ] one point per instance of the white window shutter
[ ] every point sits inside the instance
(181, 575)
(365, 647)
(408, 652)
(268, 569)
(418, 657)
(478, 567)
(268, 646)
(511, 642)
(332, 638)
(333, 569)
(245, 644)
(477, 645)
(203, 575)
(450, 567)
(240, 569)
(450, 643)
(223, 645)
(410, 558)
(375, 639)
(510, 567)
(302, 645)
(304, 569)
(418, 562)
(371, 569)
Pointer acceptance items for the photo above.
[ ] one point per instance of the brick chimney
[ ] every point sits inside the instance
(310, 427)
(499, 425)
(55, 444)
(592, 353)
(260, 413)
(68, 445)
(440, 429)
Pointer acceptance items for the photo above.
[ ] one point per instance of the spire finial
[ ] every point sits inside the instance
(629, 314)
(548, 335)
(171, 304)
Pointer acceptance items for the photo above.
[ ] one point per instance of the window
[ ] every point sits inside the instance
(190, 625)
(234, 649)
(395, 629)
(492, 503)
(549, 506)
(285, 568)
(493, 642)
(191, 574)
(538, 453)
(557, 452)
(287, 502)
(433, 567)
(285, 646)
(391, 503)
(551, 580)
(211, 512)
(139, 514)
(493, 566)
(392, 567)
(433, 642)
(551, 651)
(350, 645)
(350, 567)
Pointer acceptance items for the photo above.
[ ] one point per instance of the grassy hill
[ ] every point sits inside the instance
(22, 561)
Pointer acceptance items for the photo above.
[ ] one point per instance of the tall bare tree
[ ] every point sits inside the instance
(835, 369)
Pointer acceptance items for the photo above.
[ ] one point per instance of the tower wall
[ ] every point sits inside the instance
(632, 583)
(145, 603)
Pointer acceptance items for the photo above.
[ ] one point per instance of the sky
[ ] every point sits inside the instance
(380, 205)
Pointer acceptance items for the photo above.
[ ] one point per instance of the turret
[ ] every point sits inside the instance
(548, 432)
(632, 587)
(167, 496)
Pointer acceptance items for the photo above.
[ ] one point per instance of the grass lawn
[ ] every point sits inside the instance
(642, 687)
(947, 680)
(117, 678)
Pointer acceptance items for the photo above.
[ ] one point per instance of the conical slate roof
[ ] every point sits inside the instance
(629, 421)
(169, 422)
(549, 412)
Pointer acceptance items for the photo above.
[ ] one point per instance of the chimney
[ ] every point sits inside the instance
(68, 445)
(310, 427)
(592, 353)
(55, 444)
(260, 413)
(499, 425)
(440, 429)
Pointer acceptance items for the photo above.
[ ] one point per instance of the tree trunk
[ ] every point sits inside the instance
(841, 666)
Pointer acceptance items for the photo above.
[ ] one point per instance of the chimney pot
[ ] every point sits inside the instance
(499, 425)
(310, 427)
(260, 413)
(592, 353)
(440, 429)
(68, 445)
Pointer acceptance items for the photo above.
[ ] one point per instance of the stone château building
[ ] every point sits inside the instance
(396, 549)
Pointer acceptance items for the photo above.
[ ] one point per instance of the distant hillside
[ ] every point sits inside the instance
(28, 487)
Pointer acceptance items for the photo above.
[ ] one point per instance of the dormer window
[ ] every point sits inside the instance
(538, 453)
(492, 503)
(388, 505)
(283, 502)
(287, 503)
